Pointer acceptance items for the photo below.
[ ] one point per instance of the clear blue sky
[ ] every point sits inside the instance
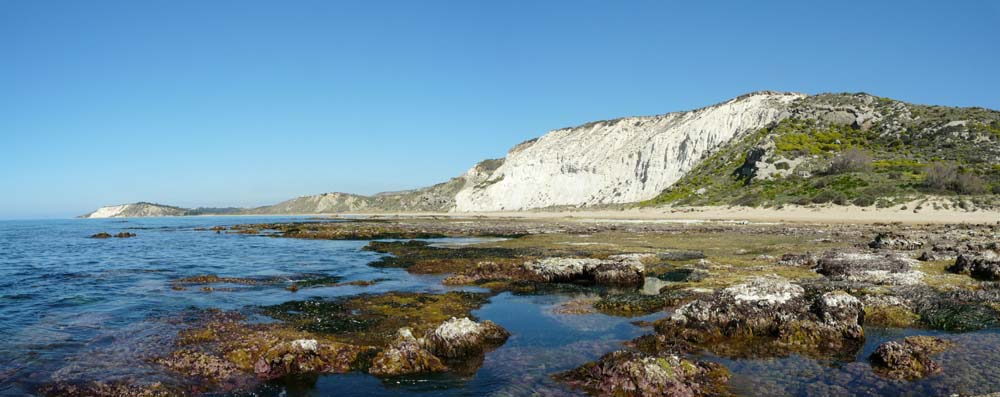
(217, 103)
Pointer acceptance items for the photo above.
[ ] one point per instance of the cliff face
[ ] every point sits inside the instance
(618, 161)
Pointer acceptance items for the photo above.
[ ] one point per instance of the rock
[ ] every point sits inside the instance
(842, 311)
(684, 275)
(806, 259)
(895, 242)
(461, 338)
(681, 255)
(124, 235)
(888, 311)
(305, 356)
(909, 359)
(985, 266)
(200, 364)
(863, 267)
(771, 311)
(616, 270)
(405, 356)
(634, 374)
(101, 235)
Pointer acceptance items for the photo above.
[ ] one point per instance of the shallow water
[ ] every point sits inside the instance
(76, 308)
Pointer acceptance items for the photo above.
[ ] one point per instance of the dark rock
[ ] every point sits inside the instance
(101, 235)
(986, 267)
(909, 359)
(124, 235)
(635, 374)
(748, 170)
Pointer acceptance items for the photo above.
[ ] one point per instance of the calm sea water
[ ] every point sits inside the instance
(76, 308)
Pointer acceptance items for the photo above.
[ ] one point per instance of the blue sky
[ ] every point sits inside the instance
(218, 103)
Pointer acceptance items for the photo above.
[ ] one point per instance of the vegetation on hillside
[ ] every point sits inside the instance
(904, 152)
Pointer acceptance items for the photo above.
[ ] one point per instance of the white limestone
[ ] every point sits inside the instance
(620, 161)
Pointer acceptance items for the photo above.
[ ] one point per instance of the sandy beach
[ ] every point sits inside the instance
(792, 214)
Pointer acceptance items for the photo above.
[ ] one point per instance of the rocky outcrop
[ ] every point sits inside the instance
(865, 267)
(909, 359)
(405, 356)
(985, 266)
(737, 320)
(461, 338)
(634, 374)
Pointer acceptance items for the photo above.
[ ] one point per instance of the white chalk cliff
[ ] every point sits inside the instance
(619, 161)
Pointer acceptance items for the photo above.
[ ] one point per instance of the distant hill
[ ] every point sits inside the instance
(133, 210)
(761, 149)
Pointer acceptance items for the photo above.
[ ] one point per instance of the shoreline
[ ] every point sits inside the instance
(788, 214)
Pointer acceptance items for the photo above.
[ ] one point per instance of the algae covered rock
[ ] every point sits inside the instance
(766, 316)
(305, 356)
(461, 337)
(909, 359)
(634, 374)
(405, 356)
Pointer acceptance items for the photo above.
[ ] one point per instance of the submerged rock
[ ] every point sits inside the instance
(460, 338)
(909, 359)
(101, 235)
(738, 320)
(635, 374)
(405, 356)
(109, 389)
(984, 266)
(864, 267)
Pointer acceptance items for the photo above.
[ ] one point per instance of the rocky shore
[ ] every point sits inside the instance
(734, 291)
